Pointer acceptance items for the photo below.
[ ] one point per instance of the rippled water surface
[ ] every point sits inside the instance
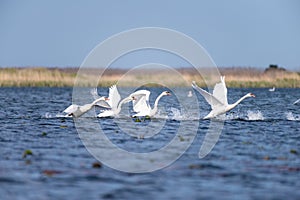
(256, 157)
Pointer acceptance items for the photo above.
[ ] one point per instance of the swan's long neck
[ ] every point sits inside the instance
(154, 110)
(117, 111)
(231, 106)
(96, 101)
(85, 108)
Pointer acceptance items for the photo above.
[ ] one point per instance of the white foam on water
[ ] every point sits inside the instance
(254, 115)
(177, 115)
(49, 115)
(63, 115)
(290, 116)
(58, 115)
(232, 116)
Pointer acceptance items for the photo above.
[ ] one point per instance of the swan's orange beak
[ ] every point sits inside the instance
(106, 99)
(252, 95)
(168, 93)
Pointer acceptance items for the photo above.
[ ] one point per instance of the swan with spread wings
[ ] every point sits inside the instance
(114, 101)
(141, 103)
(76, 110)
(218, 99)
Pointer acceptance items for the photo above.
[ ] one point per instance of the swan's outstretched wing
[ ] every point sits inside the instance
(72, 108)
(141, 101)
(114, 97)
(103, 104)
(296, 101)
(94, 93)
(213, 102)
(220, 91)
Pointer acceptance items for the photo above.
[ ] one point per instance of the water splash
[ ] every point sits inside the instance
(51, 115)
(63, 115)
(48, 115)
(254, 115)
(232, 116)
(290, 116)
(176, 114)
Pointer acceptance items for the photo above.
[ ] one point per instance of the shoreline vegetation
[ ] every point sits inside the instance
(236, 77)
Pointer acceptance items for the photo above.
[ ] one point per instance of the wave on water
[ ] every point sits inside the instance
(290, 116)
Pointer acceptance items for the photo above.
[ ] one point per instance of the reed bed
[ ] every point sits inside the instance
(65, 77)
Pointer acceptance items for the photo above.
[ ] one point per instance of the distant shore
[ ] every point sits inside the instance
(239, 77)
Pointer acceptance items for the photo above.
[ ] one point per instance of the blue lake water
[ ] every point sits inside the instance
(256, 157)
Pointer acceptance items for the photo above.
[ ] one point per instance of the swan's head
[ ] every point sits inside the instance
(128, 99)
(102, 99)
(250, 95)
(133, 98)
(166, 93)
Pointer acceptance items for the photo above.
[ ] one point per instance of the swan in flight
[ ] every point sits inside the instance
(272, 89)
(76, 110)
(141, 103)
(218, 100)
(296, 101)
(114, 102)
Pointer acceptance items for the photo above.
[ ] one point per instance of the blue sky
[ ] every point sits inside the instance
(235, 33)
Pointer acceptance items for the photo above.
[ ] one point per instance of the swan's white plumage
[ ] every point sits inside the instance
(114, 97)
(76, 110)
(220, 91)
(141, 103)
(114, 102)
(71, 108)
(218, 100)
(211, 100)
(272, 89)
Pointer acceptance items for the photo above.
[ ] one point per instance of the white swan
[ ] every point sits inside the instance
(141, 103)
(218, 100)
(272, 89)
(76, 110)
(114, 102)
(296, 101)
(190, 94)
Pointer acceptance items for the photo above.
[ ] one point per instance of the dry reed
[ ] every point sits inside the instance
(65, 77)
